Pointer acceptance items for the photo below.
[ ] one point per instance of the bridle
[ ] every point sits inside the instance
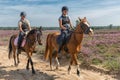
(37, 34)
(83, 29)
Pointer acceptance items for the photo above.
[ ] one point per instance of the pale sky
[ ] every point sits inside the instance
(47, 12)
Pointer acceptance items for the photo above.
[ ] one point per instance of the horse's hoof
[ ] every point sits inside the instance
(18, 61)
(57, 68)
(68, 72)
(69, 69)
(16, 65)
(27, 68)
(78, 72)
(33, 72)
(51, 68)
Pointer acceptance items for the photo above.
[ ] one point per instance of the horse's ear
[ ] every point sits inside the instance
(40, 28)
(79, 18)
(85, 18)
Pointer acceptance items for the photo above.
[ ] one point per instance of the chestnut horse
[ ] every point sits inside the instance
(73, 45)
(31, 38)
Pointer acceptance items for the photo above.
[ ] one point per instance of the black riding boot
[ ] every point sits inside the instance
(60, 47)
(19, 47)
(61, 41)
(19, 43)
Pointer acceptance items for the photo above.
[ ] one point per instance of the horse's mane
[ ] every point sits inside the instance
(33, 31)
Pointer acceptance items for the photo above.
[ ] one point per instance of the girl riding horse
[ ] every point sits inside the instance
(24, 27)
(33, 36)
(73, 45)
(65, 24)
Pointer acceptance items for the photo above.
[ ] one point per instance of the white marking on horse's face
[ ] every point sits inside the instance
(91, 32)
(87, 24)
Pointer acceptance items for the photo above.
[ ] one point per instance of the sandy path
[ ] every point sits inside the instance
(9, 72)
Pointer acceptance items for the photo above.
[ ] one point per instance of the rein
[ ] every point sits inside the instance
(83, 31)
(30, 41)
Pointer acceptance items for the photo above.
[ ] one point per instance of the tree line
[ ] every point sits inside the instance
(57, 28)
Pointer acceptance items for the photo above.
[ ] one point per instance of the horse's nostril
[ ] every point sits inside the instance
(40, 44)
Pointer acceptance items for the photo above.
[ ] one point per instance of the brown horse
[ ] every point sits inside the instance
(32, 37)
(73, 45)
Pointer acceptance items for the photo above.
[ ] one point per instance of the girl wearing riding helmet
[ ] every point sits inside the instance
(65, 24)
(24, 26)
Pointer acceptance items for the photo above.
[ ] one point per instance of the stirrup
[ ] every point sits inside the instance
(59, 51)
(60, 48)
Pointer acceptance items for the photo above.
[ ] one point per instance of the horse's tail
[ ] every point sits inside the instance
(10, 47)
(47, 49)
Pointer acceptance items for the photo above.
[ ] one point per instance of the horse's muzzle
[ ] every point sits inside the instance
(40, 44)
(91, 33)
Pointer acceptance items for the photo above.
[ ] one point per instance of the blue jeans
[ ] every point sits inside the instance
(20, 39)
(62, 39)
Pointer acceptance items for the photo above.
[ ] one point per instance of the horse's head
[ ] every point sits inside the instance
(39, 35)
(85, 26)
(35, 34)
(32, 34)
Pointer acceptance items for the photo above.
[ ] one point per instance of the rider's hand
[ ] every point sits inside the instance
(64, 28)
(24, 33)
(72, 28)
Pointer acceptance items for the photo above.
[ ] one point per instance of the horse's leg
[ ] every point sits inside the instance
(71, 62)
(14, 56)
(57, 61)
(50, 57)
(27, 67)
(31, 62)
(33, 71)
(18, 58)
(76, 63)
(18, 61)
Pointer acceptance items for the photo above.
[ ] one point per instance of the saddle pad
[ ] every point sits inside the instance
(16, 42)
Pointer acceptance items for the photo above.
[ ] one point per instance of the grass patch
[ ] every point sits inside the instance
(101, 48)
(40, 49)
(4, 39)
(112, 64)
(96, 61)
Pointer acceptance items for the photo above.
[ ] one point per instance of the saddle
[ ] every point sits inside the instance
(66, 39)
(23, 41)
(16, 41)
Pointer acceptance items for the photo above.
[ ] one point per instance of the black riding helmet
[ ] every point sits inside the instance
(22, 14)
(64, 8)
